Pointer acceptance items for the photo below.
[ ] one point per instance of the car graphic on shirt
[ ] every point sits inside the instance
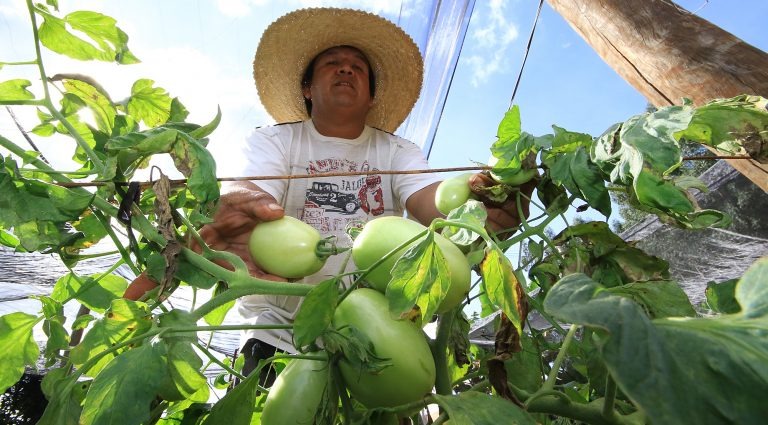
(328, 194)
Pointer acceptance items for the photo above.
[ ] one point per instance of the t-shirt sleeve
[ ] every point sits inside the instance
(266, 154)
(408, 156)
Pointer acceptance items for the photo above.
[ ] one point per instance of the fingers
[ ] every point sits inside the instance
(242, 206)
(502, 216)
(243, 203)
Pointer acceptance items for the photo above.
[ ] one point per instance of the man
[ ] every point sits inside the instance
(340, 81)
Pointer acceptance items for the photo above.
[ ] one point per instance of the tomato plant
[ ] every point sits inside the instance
(287, 247)
(615, 340)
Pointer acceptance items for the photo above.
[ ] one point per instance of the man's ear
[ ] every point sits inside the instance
(306, 92)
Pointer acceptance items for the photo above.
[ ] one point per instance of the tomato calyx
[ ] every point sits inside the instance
(327, 247)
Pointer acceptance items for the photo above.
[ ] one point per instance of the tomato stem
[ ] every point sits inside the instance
(327, 247)
(240, 284)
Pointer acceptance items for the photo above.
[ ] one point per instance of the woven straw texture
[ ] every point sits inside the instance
(289, 44)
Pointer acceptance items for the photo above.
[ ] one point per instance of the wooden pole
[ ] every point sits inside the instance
(667, 53)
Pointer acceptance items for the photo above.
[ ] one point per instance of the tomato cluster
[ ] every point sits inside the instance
(411, 373)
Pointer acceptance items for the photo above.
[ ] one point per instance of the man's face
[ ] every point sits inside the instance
(340, 79)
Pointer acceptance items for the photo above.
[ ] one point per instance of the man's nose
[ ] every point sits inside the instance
(344, 68)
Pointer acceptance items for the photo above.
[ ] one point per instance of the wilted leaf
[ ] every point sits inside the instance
(503, 288)
(420, 279)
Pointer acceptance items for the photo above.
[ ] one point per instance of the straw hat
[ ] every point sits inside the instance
(293, 40)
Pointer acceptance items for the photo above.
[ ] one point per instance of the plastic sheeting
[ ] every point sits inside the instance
(439, 30)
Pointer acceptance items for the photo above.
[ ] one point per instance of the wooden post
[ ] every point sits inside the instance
(667, 53)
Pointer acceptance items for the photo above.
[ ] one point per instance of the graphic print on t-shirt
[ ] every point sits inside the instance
(332, 202)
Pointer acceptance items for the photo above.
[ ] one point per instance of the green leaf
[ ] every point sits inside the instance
(653, 362)
(179, 112)
(95, 294)
(589, 181)
(476, 408)
(565, 141)
(95, 98)
(731, 125)
(237, 406)
(122, 321)
(191, 158)
(316, 312)
(17, 347)
(509, 128)
(217, 315)
(721, 297)
(752, 290)
(121, 393)
(7, 239)
(524, 368)
(472, 213)
(152, 105)
(660, 194)
(37, 210)
(502, 286)
(104, 40)
(420, 278)
(198, 165)
(44, 130)
(65, 396)
(183, 372)
(659, 299)
(15, 89)
(207, 129)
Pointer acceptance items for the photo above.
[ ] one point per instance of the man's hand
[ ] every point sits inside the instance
(505, 215)
(241, 207)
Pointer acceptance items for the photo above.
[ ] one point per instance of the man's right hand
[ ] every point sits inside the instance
(242, 206)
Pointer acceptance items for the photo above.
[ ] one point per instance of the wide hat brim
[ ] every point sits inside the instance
(289, 44)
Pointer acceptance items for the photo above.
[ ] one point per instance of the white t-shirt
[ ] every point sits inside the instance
(327, 203)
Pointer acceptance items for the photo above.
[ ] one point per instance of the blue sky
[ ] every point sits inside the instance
(201, 51)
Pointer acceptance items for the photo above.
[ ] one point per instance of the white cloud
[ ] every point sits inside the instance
(491, 37)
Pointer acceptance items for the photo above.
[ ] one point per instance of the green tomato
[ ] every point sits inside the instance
(286, 247)
(381, 235)
(524, 175)
(412, 373)
(296, 393)
(452, 193)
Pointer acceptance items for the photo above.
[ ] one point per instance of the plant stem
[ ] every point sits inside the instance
(587, 413)
(30, 62)
(610, 397)
(240, 284)
(440, 352)
(48, 103)
(221, 364)
(552, 378)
